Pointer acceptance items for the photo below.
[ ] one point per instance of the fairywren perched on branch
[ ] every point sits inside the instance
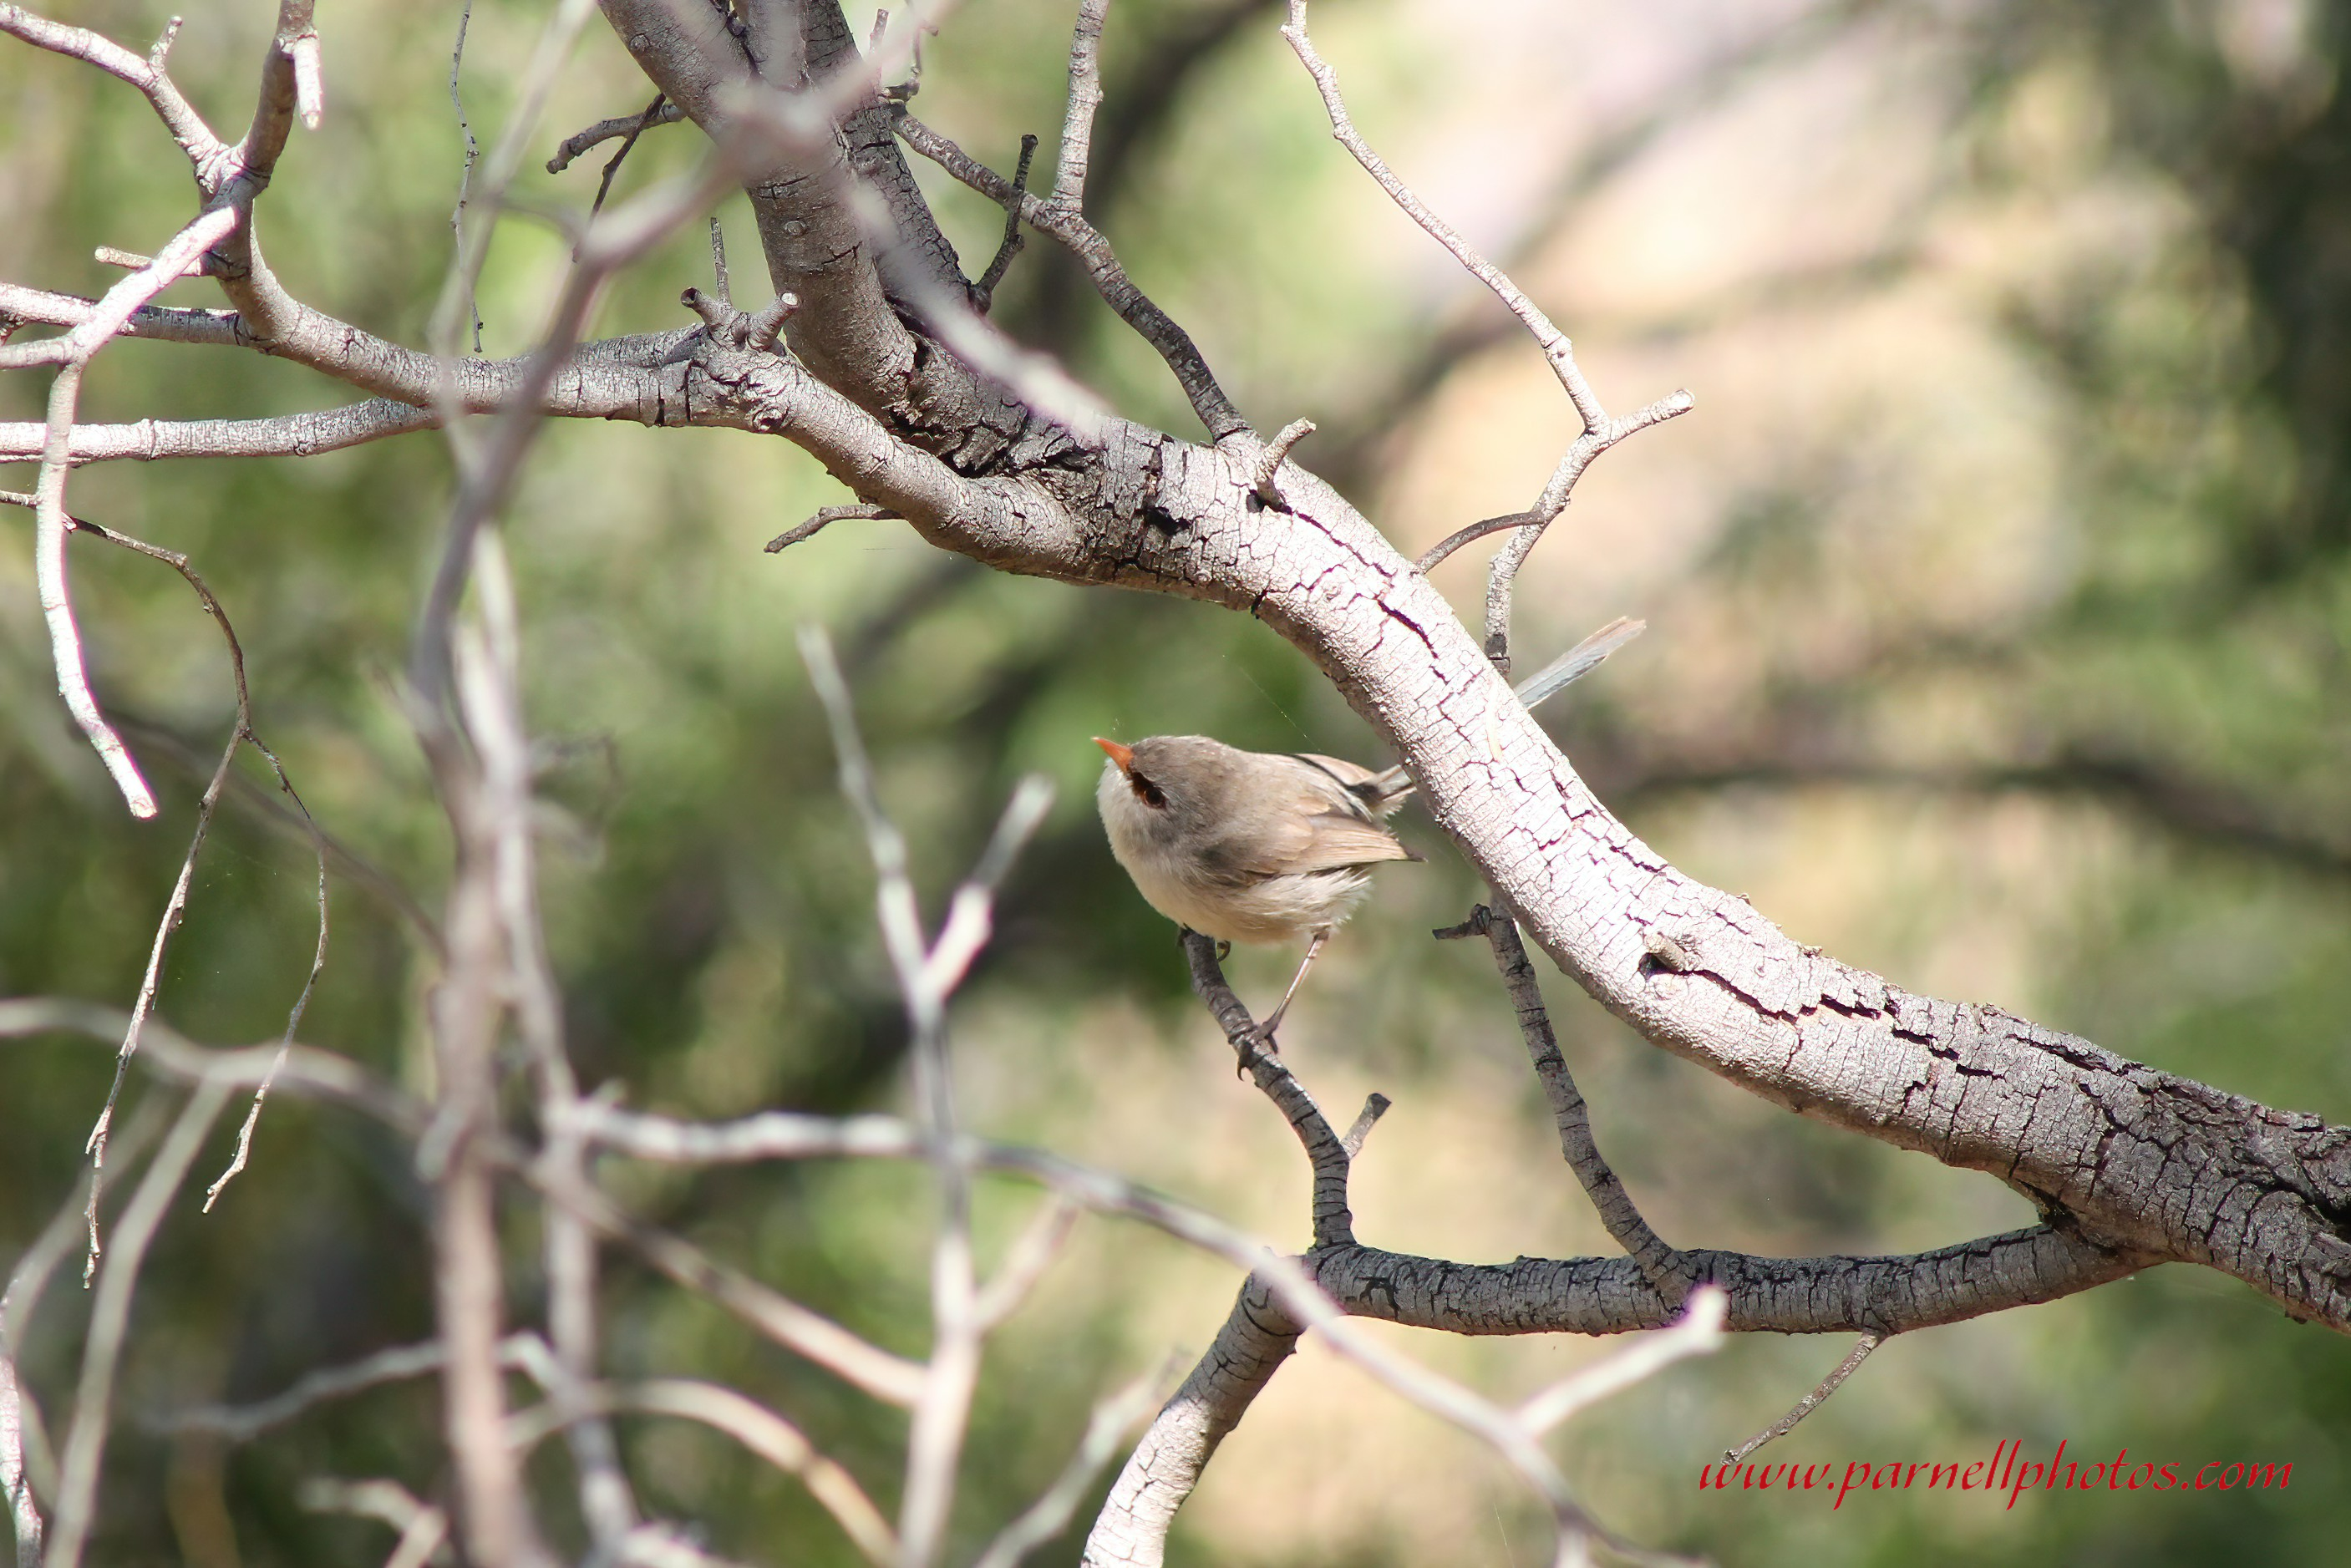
(1252, 846)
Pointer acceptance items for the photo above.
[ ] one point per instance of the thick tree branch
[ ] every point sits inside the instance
(848, 333)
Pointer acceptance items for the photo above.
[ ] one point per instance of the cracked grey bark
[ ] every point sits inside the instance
(1130, 1532)
(2132, 1159)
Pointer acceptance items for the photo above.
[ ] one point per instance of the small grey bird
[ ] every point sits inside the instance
(1252, 846)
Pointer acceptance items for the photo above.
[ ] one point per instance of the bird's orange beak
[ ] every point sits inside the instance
(1122, 755)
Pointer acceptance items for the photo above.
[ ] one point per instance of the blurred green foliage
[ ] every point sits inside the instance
(2170, 708)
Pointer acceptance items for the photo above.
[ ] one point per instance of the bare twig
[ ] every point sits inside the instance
(187, 128)
(1600, 431)
(241, 734)
(1471, 535)
(663, 1545)
(825, 517)
(464, 174)
(1558, 352)
(15, 1481)
(282, 435)
(423, 1528)
(984, 291)
(652, 116)
(242, 1423)
(1326, 1152)
(1085, 97)
(72, 352)
(1660, 1264)
(563, 26)
(309, 81)
(890, 1378)
(131, 260)
(1269, 461)
(110, 1319)
(626, 125)
(1107, 1430)
(1068, 226)
(1809, 1402)
(1256, 1337)
(488, 670)
(1032, 1253)
(621, 239)
(929, 974)
(27, 1466)
(1375, 1107)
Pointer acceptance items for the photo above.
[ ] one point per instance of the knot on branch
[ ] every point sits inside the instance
(1480, 921)
(756, 330)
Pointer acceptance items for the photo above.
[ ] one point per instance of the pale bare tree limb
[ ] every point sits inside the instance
(27, 1465)
(890, 1378)
(1698, 1332)
(187, 127)
(423, 1529)
(928, 972)
(1032, 1252)
(281, 435)
(72, 354)
(749, 1423)
(109, 1322)
(489, 696)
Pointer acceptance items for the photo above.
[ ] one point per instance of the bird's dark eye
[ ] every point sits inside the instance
(1148, 793)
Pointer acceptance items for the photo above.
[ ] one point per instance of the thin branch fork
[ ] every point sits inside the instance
(423, 1528)
(1068, 227)
(663, 112)
(241, 734)
(187, 128)
(749, 1422)
(929, 974)
(1600, 431)
(1557, 351)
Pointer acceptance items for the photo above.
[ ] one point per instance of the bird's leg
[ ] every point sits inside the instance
(1273, 1021)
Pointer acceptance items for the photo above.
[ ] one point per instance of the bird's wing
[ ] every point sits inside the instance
(1320, 824)
(1337, 840)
